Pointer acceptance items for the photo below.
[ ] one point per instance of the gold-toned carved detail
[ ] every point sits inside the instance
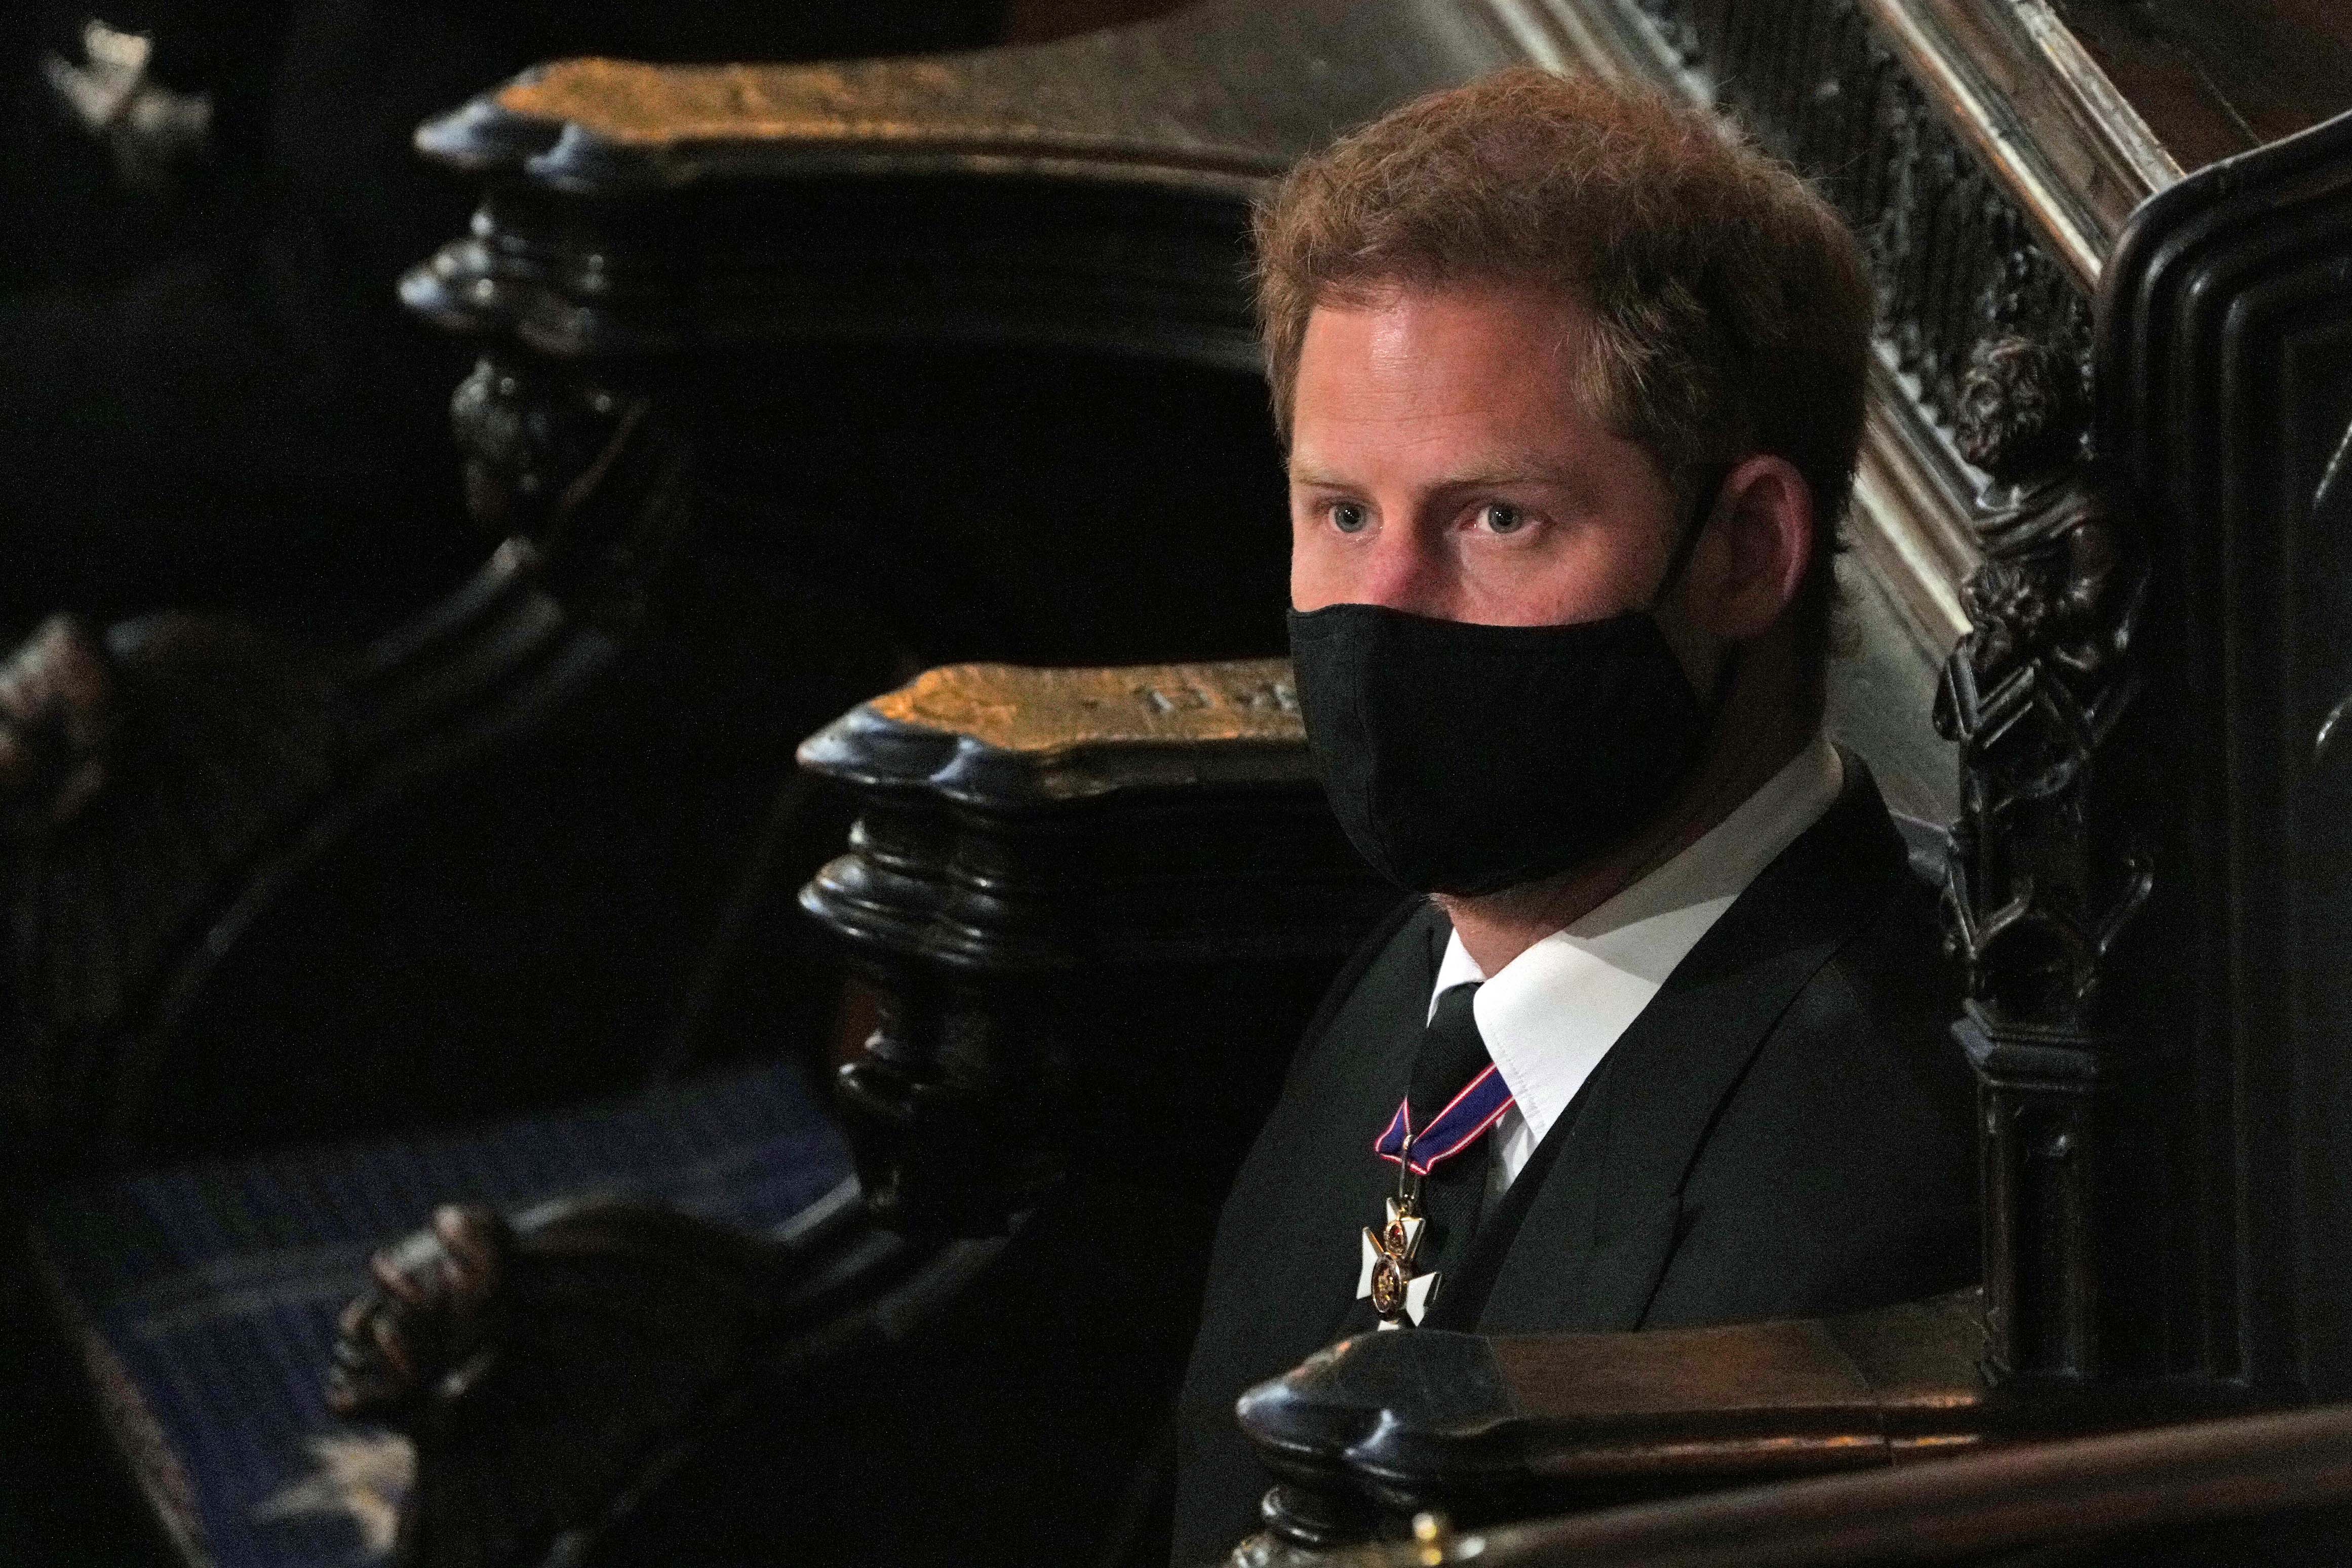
(629, 100)
(1010, 708)
(889, 105)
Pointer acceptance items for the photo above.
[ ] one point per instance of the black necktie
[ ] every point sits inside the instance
(1452, 1053)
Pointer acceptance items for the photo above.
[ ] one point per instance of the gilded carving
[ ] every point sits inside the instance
(1013, 708)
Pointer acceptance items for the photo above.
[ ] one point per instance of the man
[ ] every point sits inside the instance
(1572, 387)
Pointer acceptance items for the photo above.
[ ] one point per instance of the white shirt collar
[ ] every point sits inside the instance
(1554, 1011)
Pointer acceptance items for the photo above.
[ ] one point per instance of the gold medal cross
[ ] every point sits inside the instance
(1398, 1294)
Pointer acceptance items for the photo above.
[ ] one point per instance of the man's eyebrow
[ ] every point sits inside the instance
(1524, 470)
(1511, 471)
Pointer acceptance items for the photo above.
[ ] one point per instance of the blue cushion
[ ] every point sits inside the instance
(204, 1298)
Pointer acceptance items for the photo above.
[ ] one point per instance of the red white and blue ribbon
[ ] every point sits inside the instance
(1464, 1120)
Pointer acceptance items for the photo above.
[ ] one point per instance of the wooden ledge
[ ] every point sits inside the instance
(1006, 737)
(1179, 101)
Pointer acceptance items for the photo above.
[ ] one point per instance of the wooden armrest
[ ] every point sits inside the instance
(1090, 191)
(1098, 905)
(551, 1370)
(2268, 1489)
(1176, 101)
(1365, 1434)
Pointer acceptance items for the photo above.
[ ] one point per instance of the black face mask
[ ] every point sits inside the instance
(1466, 759)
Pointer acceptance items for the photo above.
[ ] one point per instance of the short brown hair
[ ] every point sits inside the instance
(1731, 313)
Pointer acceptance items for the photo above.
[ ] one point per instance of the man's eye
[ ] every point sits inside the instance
(1503, 518)
(1349, 518)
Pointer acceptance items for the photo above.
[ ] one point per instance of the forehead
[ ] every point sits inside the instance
(1451, 374)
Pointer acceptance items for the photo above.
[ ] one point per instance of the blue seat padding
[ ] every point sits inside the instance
(204, 1298)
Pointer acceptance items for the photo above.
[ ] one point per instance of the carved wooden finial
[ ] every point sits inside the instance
(2031, 697)
(2044, 875)
(2021, 410)
(59, 710)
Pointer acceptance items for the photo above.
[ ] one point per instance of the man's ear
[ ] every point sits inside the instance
(1760, 541)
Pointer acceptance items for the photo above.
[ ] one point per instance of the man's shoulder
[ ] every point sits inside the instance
(1871, 1030)
(1388, 978)
(1878, 1014)
(1840, 1171)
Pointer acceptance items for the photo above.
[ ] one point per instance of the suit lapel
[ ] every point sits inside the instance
(1376, 1179)
(1289, 1235)
(1595, 1233)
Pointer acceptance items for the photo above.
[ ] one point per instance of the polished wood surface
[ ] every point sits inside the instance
(1039, 21)
(2258, 1490)
(2215, 78)
(1057, 712)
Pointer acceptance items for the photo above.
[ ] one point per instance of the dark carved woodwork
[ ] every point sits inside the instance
(58, 713)
(193, 782)
(2269, 1490)
(152, 768)
(1365, 1434)
(2046, 872)
(553, 1372)
(2224, 396)
(1088, 190)
(1097, 905)
(533, 445)
(2022, 412)
(1955, 261)
(1378, 1428)
(1093, 902)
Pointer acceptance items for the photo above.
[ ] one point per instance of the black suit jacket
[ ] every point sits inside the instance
(1787, 1129)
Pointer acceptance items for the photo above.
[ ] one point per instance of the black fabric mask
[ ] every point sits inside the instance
(1464, 759)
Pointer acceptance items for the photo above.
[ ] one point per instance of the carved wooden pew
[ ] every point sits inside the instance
(1096, 905)
(1090, 899)
(1976, 147)
(759, 481)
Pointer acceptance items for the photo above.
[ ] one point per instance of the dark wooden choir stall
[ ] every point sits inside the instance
(797, 380)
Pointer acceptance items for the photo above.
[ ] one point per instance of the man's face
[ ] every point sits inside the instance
(1441, 465)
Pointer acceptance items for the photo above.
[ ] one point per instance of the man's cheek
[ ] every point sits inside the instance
(1312, 574)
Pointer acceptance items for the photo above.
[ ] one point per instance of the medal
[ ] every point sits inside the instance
(1396, 1293)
